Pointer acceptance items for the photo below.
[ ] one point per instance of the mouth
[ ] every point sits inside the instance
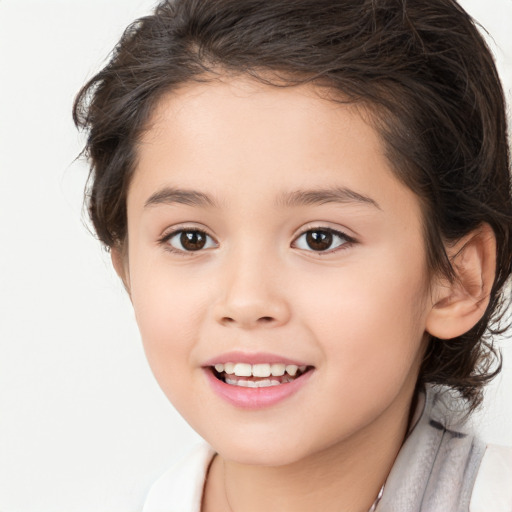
(256, 381)
(261, 375)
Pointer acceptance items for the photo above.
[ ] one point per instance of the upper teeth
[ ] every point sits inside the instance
(259, 370)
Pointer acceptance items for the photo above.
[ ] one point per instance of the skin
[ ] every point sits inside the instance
(357, 313)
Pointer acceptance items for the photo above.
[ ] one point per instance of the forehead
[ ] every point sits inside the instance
(240, 138)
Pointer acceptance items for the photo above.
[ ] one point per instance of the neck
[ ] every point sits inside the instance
(344, 477)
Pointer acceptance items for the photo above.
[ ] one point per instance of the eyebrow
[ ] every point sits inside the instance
(341, 195)
(169, 196)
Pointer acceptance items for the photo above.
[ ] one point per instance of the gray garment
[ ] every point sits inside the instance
(436, 468)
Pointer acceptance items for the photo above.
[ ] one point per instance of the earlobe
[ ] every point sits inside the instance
(119, 261)
(459, 304)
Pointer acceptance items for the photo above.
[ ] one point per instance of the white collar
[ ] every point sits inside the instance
(180, 489)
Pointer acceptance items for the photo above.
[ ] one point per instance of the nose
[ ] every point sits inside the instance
(252, 295)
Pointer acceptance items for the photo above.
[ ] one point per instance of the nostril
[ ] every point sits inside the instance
(265, 319)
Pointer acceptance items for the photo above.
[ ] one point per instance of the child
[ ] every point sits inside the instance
(308, 202)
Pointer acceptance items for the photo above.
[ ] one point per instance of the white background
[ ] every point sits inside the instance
(83, 425)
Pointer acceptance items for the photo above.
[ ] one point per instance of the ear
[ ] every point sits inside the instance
(459, 304)
(120, 263)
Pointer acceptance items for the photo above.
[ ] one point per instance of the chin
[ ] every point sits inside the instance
(256, 456)
(261, 450)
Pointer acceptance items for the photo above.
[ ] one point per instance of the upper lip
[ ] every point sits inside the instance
(252, 358)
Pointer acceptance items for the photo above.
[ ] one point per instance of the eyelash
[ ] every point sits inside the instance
(347, 240)
(166, 238)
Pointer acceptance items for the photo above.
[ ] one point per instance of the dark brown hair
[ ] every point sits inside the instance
(420, 67)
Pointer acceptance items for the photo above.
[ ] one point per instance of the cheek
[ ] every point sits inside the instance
(371, 345)
(369, 322)
(168, 312)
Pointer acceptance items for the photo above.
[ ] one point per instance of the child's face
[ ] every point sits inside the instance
(295, 243)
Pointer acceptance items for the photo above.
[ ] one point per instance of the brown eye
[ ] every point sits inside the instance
(321, 240)
(190, 240)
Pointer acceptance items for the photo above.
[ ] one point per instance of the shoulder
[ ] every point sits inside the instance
(180, 488)
(492, 491)
(487, 471)
(444, 466)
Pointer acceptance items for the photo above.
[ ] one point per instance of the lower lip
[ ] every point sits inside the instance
(256, 398)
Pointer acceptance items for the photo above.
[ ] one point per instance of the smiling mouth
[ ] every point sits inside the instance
(258, 375)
